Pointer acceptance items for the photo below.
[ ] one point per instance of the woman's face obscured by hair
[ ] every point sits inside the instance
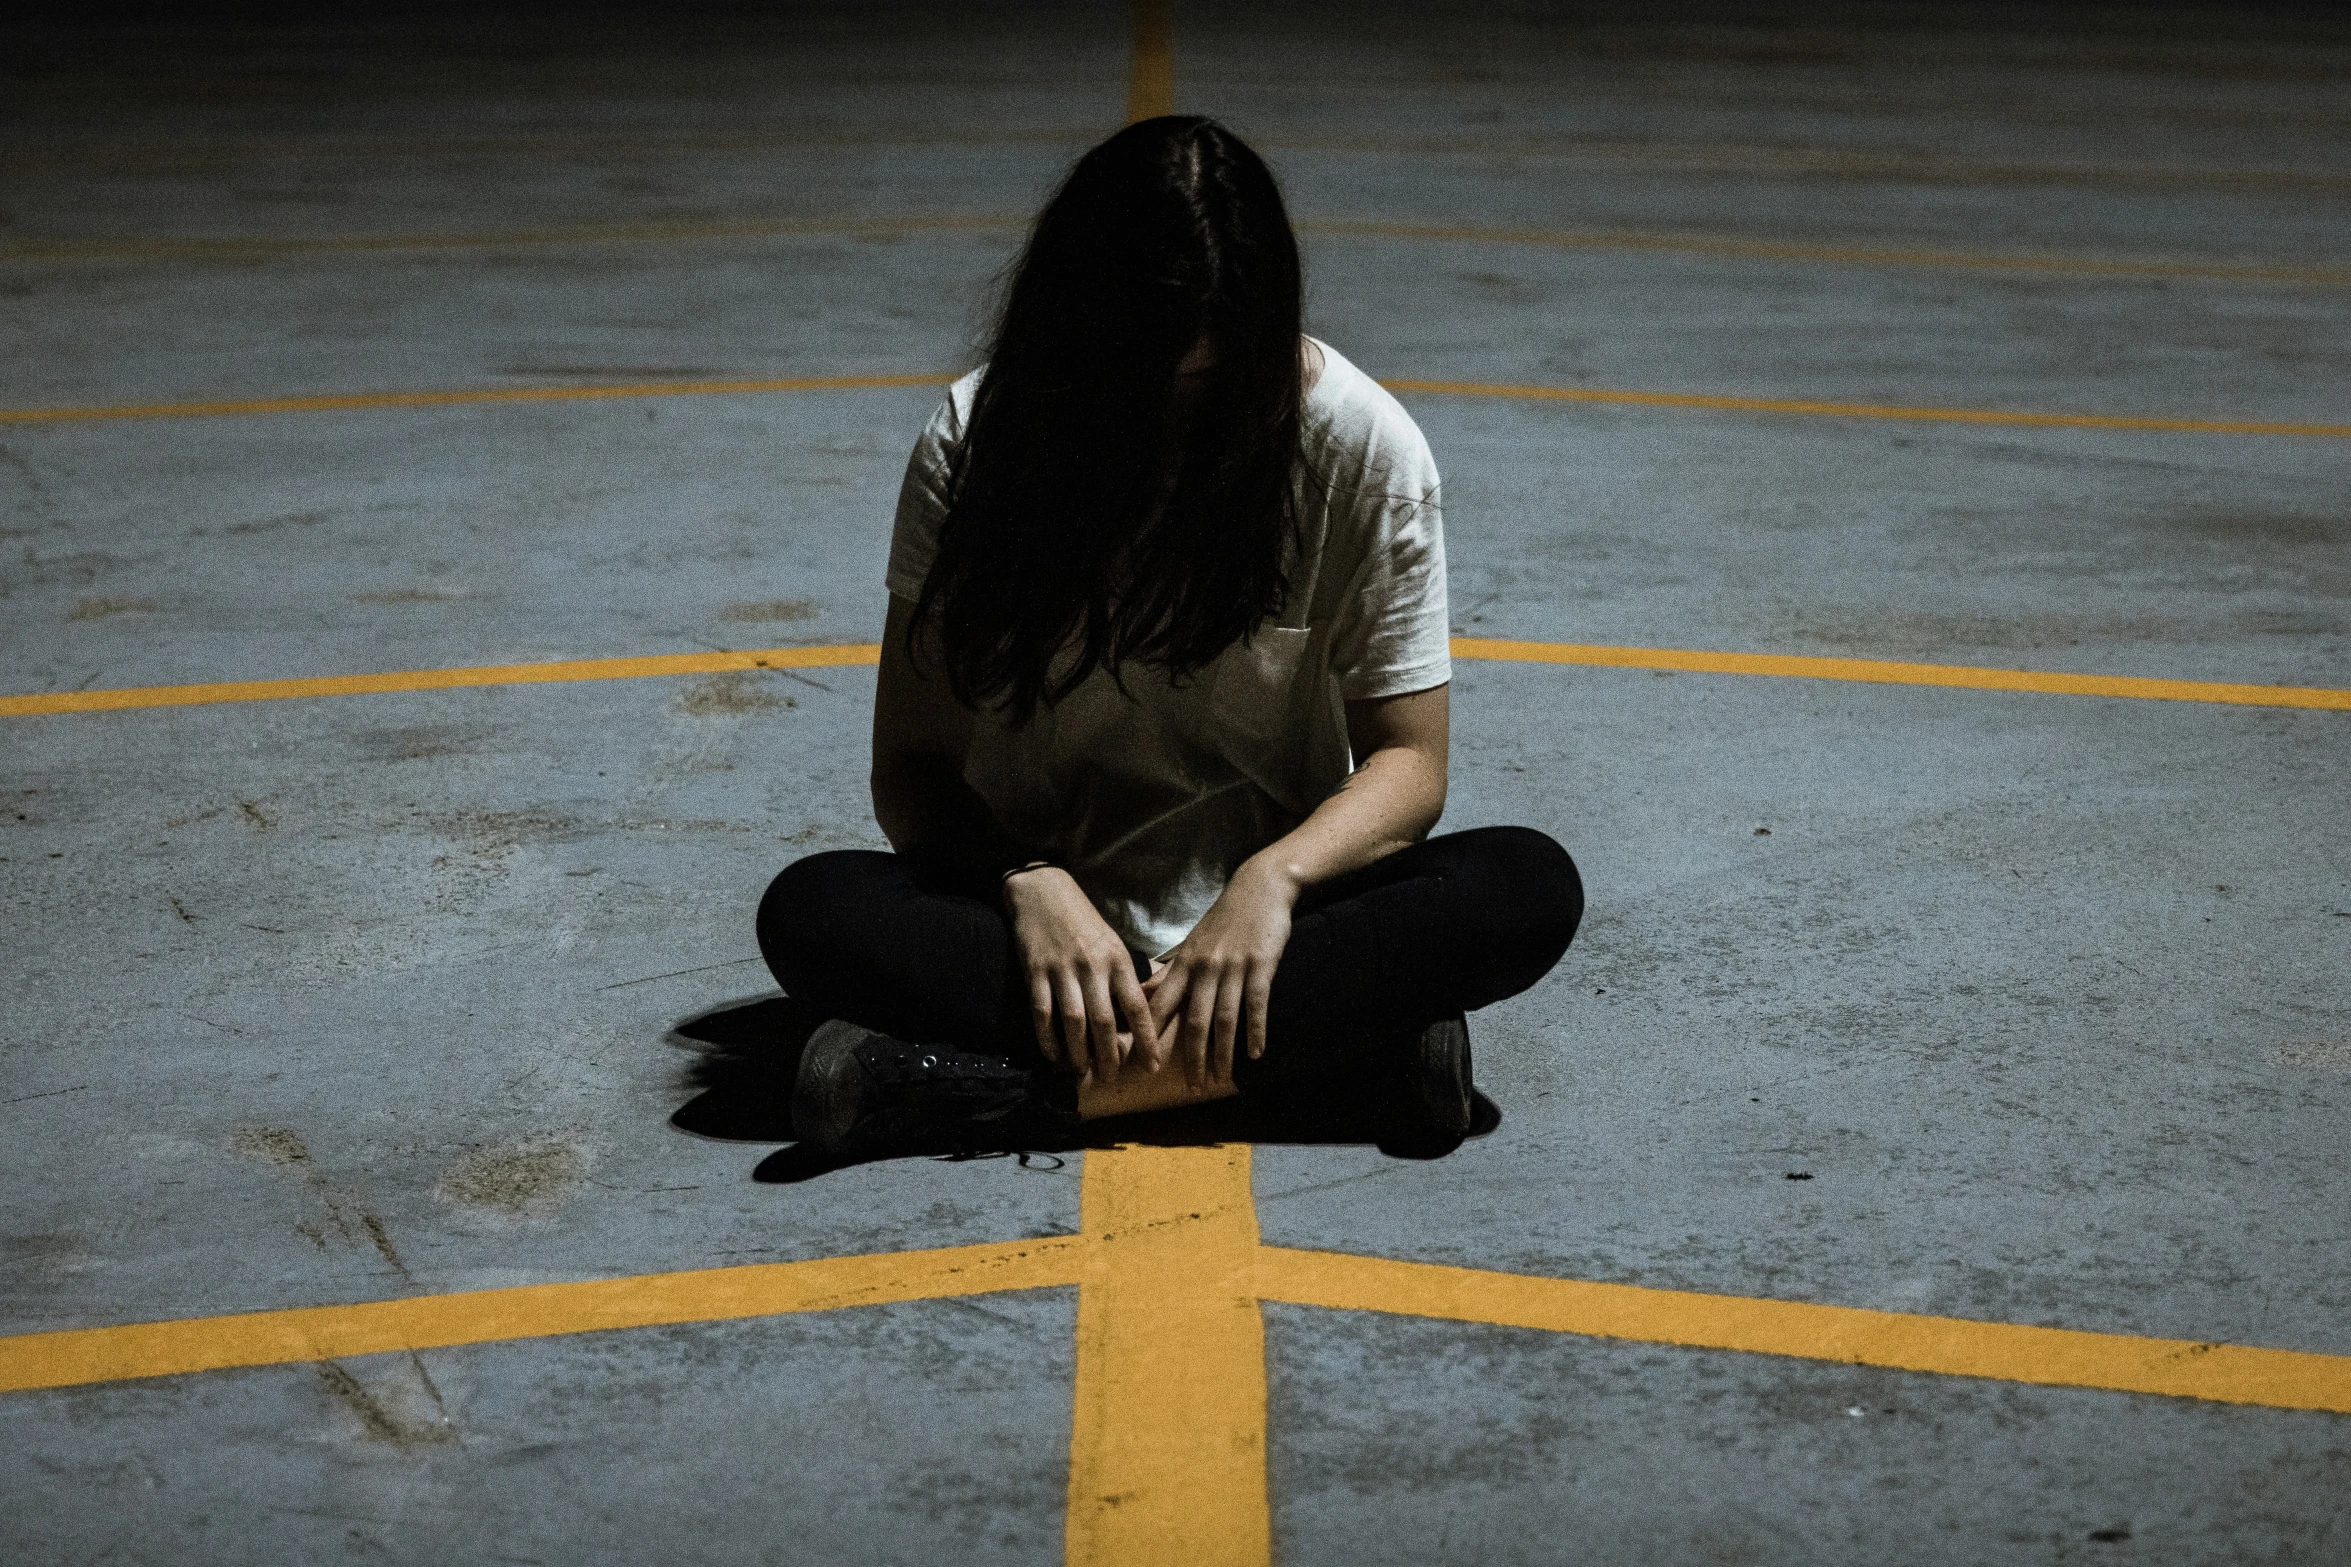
(1195, 376)
(1139, 419)
(1169, 231)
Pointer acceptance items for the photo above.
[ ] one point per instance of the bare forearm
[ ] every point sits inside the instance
(1389, 803)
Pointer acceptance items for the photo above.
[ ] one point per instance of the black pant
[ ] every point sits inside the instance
(1445, 926)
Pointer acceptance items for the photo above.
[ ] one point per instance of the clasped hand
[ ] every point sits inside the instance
(1205, 1002)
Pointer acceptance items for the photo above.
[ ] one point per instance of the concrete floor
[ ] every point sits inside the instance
(360, 998)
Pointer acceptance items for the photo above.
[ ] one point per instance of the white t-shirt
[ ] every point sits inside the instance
(1153, 797)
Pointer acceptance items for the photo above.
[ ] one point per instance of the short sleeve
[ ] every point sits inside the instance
(922, 498)
(1394, 632)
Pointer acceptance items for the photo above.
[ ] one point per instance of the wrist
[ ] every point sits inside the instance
(1271, 877)
(1035, 877)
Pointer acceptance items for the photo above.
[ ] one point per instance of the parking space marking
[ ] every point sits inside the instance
(1816, 408)
(347, 401)
(1151, 70)
(1876, 671)
(559, 672)
(249, 247)
(1899, 1341)
(1794, 162)
(1724, 247)
(1624, 396)
(1168, 1412)
(1637, 155)
(1169, 1245)
(209, 155)
(1167, 1425)
(78, 1356)
(1734, 247)
(1865, 670)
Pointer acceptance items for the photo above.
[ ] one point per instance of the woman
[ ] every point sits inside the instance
(1161, 725)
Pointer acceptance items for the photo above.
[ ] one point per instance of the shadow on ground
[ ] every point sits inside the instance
(747, 1052)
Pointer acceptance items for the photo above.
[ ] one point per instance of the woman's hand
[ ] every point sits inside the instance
(1213, 992)
(1081, 977)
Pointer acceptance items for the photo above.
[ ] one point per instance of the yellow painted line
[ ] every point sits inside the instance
(122, 156)
(439, 679)
(1151, 75)
(241, 247)
(1728, 247)
(1734, 248)
(1675, 155)
(1884, 672)
(1799, 162)
(1167, 1432)
(1867, 670)
(264, 1338)
(1829, 410)
(504, 394)
(1946, 1346)
(834, 383)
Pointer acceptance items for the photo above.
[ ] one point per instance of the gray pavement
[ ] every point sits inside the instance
(357, 998)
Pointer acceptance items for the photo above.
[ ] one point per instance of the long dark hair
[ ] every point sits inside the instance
(1056, 556)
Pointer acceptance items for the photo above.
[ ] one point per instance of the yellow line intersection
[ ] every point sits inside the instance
(1168, 1418)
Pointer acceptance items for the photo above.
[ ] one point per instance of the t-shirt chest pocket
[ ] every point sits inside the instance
(1272, 714)
(1254, 686)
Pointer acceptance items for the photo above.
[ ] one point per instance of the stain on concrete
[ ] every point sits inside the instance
(382, 1240)
(260, 820)
(1502, 285)
(38, 570)
(29, 481)
(2235, 525)
(299, 519)
(105, 608)
(482, 849)
(771, 610)
(418, 742)
(295, 195)
(493, 833)
(2325, 1055)
(733, 692)
(278, 1145)
(343, 1219)
(408, 596)
(45, 1262)
(383, 1413)
(519, 1179)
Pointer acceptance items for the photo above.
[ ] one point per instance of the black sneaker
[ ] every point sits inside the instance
(1428, 1093)
(862, 1093)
